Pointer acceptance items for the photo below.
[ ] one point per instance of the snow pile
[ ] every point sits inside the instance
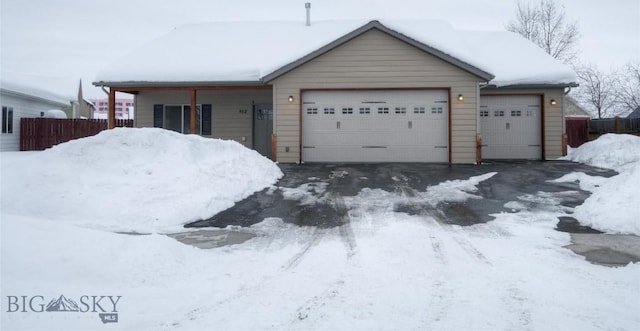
(612, 151)
(613, 206)
(133, 179)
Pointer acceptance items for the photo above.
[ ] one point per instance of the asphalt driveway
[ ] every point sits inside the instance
(313, 195)
(334, 181)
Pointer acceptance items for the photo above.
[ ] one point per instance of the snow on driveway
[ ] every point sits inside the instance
(382, 270)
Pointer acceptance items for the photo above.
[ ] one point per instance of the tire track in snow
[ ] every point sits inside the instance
(317, 302)
(442, 292)
(468, 247)
(243, 290)
(516, 304)
(316, 236)
(436, 246)
(345, 231)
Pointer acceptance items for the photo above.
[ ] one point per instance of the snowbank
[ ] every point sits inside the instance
(612, 151)
(613, 206)
(102, 181)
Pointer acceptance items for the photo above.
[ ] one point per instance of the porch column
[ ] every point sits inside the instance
(193, 112)
(111, 115)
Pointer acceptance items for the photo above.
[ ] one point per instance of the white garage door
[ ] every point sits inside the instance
(511, 127)
(375, 126)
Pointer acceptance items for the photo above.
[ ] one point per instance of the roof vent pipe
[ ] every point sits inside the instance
(308, 7)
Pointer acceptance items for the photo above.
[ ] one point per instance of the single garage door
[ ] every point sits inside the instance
(375, 126)
(511, 127)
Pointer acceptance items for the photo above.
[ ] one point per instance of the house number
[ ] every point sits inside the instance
(243, 111)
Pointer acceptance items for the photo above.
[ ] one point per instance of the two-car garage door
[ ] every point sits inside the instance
(375, 126)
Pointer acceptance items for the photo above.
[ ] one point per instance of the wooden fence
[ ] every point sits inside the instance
(37, 134)
(577, 129)
(617, 125)
(581, 130)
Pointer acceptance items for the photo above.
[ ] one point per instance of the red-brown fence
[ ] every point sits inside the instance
(580, 130)
(37, 134)
(577, 129)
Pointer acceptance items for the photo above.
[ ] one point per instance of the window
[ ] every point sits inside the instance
(312, 111)
(7, 119)
(178, 118)
(484, 113)
(436, 110)
(365, 110)
(498, 113)
(347, 110)
(418, 110)
(383, 110)
(328, 111)
(401, 110)
(516, 113)
(529, 113)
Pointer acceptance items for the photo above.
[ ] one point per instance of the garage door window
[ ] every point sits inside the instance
(498, 113)
(329, 111)
(401, 110)
(312, 111)
(348, 110)
(418, 110)
(436, 110)
(516, 113)
(365, 110)
(383, 110)
(484, 113)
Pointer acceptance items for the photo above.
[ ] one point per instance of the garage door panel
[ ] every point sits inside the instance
(510, 127)
(376, 126)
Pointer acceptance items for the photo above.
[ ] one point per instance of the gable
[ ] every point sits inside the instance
(401, 42)
(375, 57)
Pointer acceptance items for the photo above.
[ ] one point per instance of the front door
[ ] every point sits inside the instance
(262, 128)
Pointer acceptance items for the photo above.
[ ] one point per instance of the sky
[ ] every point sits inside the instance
(52, 44)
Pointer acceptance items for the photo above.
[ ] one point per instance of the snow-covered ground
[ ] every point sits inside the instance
(382, 270)
(614, 206)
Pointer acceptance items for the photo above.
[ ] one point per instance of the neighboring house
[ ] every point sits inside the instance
(351, 91)
(124, 108)
(573, 109)
(635, 113)
(83, 108)
(20, 101)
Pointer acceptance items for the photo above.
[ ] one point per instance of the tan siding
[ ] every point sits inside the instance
(553, 118)
(230, 121)
(376, 60)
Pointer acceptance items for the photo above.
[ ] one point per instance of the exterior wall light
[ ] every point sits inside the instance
(554, 102)
(290, 99)
(460, 97)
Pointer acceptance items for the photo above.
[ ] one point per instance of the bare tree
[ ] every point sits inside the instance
(547, 26)
(597, 90)
(527, 22)
(628, 87)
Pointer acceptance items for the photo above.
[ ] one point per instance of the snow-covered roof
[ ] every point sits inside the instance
(34, 93)
(55, 113)
(245, 52)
